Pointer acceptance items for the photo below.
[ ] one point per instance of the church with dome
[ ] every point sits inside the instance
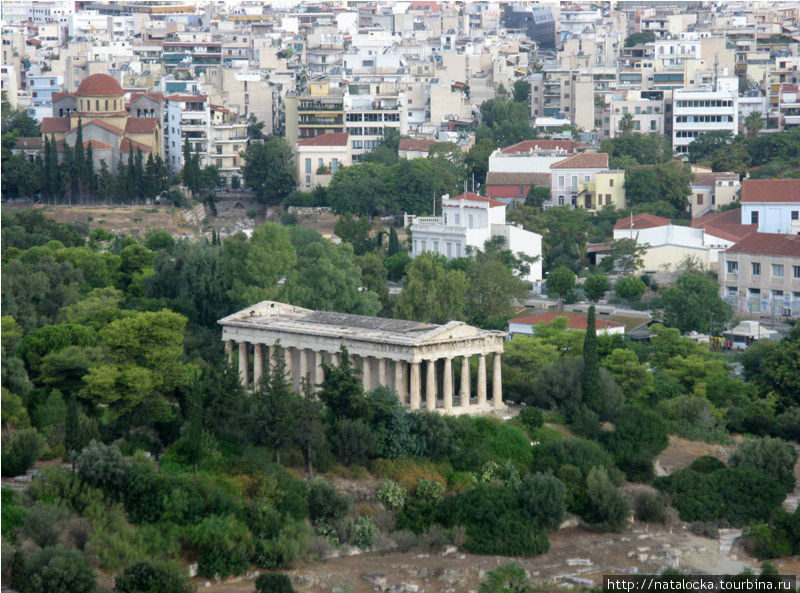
(99, 104)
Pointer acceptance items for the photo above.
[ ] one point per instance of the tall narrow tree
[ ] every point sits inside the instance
(71, 428)
(79, 162)
(275, 406)
(138, 173)
(89, 178)
(591, 361)
(394, 244)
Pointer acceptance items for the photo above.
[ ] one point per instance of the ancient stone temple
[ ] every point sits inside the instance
(417, 360)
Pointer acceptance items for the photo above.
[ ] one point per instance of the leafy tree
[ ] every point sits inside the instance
(223, 545)
(607, 508)
(753, 123)
(71, 427)
(508, 578)
(477, 159)
(360, 190)
(627, 124)
(523, 358)
(148, 577)
(432, 293)
(58, 570)
(638, 436)
(543, 497)
(325, 503)
(341, 390)
(21, 452)
(269, 169)
(560, 282)
(669, 182)
(327, 277)
(564, 233)
(560, 386)
(274, 583)
(394, 245)
(537, 196)
(275, 408)
(640, 38)
(693, 303)
(353, 441)
(355, 231)
(627, 151)
(630, 288)
(310, 434)
(706, 144)
(624, 255)
(270, 257)
(775, 368)
(771, 456)
(595, 286)
(493, 288)
(522, 90)
(633, 377)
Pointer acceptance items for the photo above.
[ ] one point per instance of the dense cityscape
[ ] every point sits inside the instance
(414, 297)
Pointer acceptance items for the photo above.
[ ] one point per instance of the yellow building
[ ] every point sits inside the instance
(607, 188)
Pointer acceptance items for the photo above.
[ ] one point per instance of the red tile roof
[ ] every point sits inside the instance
(96, 145)
(776, 244)
(528, 146)
(191, 98)
(498, 178)
(29, 142)
(586, 160)
(470, 197)
(416, 144)
(158, 97)
(127, 144)
(140, 125)
(726, 217)
(58, 95)
(710, 179)
(52, 125)
(106, 126)
(771, 190)
(641, 221)
(575, 321)
(729, 232)
(328, 139)
(102, 85)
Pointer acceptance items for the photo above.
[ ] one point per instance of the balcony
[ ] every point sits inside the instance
(304, 107)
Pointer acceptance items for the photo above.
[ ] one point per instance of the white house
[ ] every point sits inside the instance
(772, 204)
(468, 221)
(567, 174)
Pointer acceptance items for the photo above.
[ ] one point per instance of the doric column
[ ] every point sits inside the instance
(269, 352)
(302, 368)
(334, 359)
(288, 364)
(430, 386)
(382, 371)
(497, 382)
(447, 384)
(319, 375)
(482, 380)
(465, 381)
(414, 387)
(229, 351)
(366, 373)
(258, 364)
(243, 374)
(399, 380)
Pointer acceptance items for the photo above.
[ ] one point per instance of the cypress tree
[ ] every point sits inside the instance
(89, 179)
(138, 184)
(71, 428)
(68, 180)
(394, 244)
(591, 361)
(46, 172)
(105, 182)
(79, 160)
(150, 178)
(130, 175)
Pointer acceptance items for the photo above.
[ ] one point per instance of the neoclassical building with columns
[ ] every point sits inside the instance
(417, 360)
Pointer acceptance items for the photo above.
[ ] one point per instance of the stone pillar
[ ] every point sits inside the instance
(243, 374)
(382, 371)
(430, 386)
(334, 359)
(465, 381)
(229, 351)
(258, 364)
(482, 380)
(319, 375)
(269, 352)
(400, 380)
(497, 382)
(366, 373)
(448, 384)
(302, 368)
(288, 364)
(414, 387)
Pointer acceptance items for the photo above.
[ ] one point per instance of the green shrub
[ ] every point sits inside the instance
(770, 456)
(104, 467)
(44, 524)
(638, 436)
(362, 532)
(607, 509)
(543, 497)
(274, 583)
(508, 578)
(23, 450)
(325, 503)
(353, 441)
(532, 418)
(58, 570)
(511, 534)
(706, 464)
(500, 472)
(650, 507)
(223, 545)
(429, 491)
(737, 495)
(148, 577)
(762, 541)
(695, 418)
(787, 424)
(408, 472)
(392, 495)
(290, 546)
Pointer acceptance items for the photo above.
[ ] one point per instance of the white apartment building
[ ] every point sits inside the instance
(367, 116)
(646, 107)
(772, 204)
(42, 87)
(468, 221)
(187, 117)
(695, 112)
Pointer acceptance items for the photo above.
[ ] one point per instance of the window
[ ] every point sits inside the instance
(754, 217)
(795, 214)
(733, 267)
(97, 104)
(308, 180)
(699, 199)
(610, 183)
(777, 294)
(470, 221)
(560, 200)
(416, 246)
(732, 291)
(458, 249)
(449, 248)
(308, 166)
(796, 272)
(334, 165)
(560, 181)
(574, 181)
(457, 219)
(424, 246)
(106, 104)
(320, 163)
(756, 268)
(777, 270)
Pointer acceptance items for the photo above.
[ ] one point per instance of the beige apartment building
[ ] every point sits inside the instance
(646, 108)
(760, 275)
(711, 190)
(319, 158)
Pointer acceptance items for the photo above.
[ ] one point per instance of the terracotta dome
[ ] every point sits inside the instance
(99, 85)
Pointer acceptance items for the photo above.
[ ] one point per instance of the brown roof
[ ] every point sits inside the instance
(127, 145)
(729, 232)
(641, 221)
(96, 145)
(768, 244)
(586, 160)
(99, 85)
(574, 320)
(158, 97)
(140, 125)
(528, 146)
(771, 190)
(498, 178)
(470, 197)
(29, 142)
(51, 125)
(194, 98)
(725, 217)
(58, 95)
(328, 139)
(106, 126)
(416, 144)
(706, 179)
